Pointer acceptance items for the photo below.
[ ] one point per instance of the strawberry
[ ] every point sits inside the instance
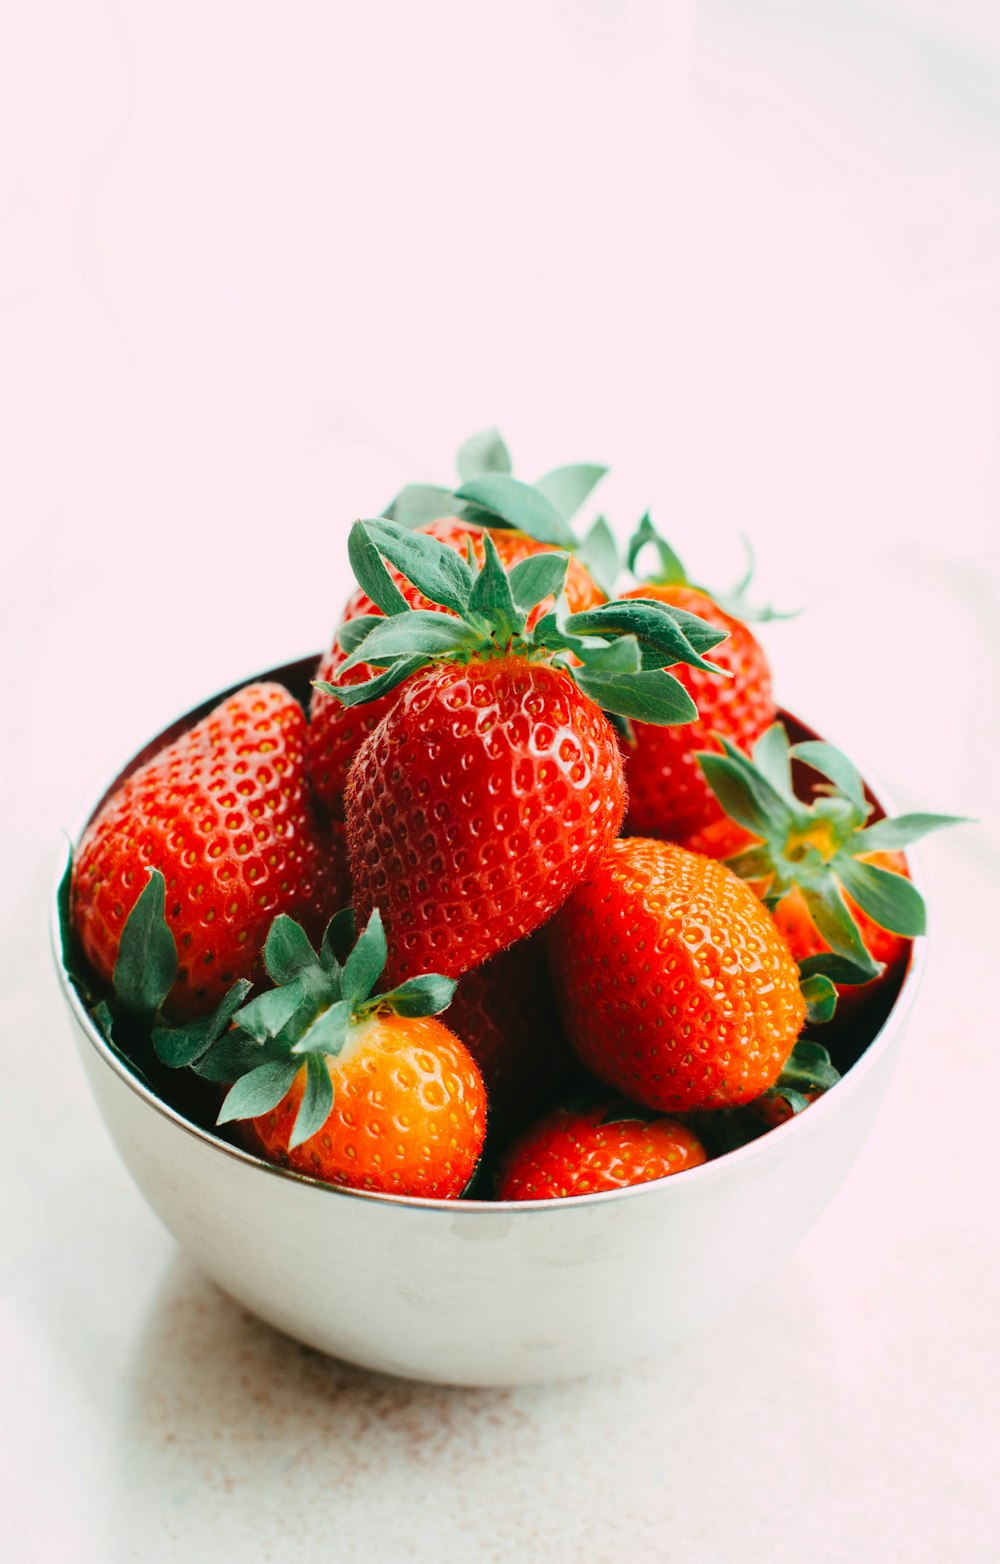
(505, 1013)
(362, 1089)
(337, 732)
(495, 781)
(676, 988)
(581, 1151)
(837, 885)
(668, 795)
(225, 813)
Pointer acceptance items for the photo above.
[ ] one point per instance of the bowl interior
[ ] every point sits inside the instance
(848, 1037)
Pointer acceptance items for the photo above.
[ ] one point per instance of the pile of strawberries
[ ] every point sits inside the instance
(539, 899)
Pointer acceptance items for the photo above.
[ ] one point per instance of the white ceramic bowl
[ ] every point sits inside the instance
(477, 1293)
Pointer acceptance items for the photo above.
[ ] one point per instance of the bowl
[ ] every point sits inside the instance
(473, 1292)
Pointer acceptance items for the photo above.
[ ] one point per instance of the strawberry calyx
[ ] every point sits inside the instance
(489, 495)
(319, 1000)
(819, 847)
(618, 652)
(130, 1017)
(672, 572)
(808, 1073)
(256, 1046)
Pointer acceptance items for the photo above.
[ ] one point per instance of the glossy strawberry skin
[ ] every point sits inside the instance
(506, 1015)
(226, 814)
(668, 795)
(675, 985)
(408, 1116)
(336, 733)
(476, 806)
(724, 839)
(573, 1152)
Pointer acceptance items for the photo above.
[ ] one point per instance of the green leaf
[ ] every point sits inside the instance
(260, 1091)
(652, 695)
(795, 1099)
(618, 656)
(482, 453)
(432, 567)
(735, 603)
(371, 573)
(701, 634)
(267, 1016)
(317, 1101)
(354, 632)
(890, 899)
(551, 632)
(820, 997)
(772, 757)
(662, 640)
(491, 595)
(146, 968)
(419, 503)
(829, 912)
(566, 488)
(373, 689)
(235, 1054)
(746, 795)
(104, 1021)
(837, 968)
(519, 506)
(328, 1032)
(598, 554)
(890, 835)
(287, 950)
(535, 579)
(337, 940)
(177, 1046)
(808, 1068)
(419, 996)
(671, 571)
(835, 766)
(423, 632)
(365, 964)
(755, 863)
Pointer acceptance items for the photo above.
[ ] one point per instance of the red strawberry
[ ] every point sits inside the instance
(495, 780)
(838, 887)
(225, 813)
(336, 732)
(668, 795)
(357, 1088)
(607, 1146)
(676, 988)
(476, 806)
(505, 1013)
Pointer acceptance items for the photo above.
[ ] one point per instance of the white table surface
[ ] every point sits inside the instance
(258, 266)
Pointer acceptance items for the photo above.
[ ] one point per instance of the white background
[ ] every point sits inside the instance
(261, 264)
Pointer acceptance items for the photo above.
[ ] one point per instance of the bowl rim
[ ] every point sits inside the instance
(769, 1143)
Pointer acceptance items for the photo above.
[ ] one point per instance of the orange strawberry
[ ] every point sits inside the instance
(581, 1151)
(357, 1088)
(676, 988)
